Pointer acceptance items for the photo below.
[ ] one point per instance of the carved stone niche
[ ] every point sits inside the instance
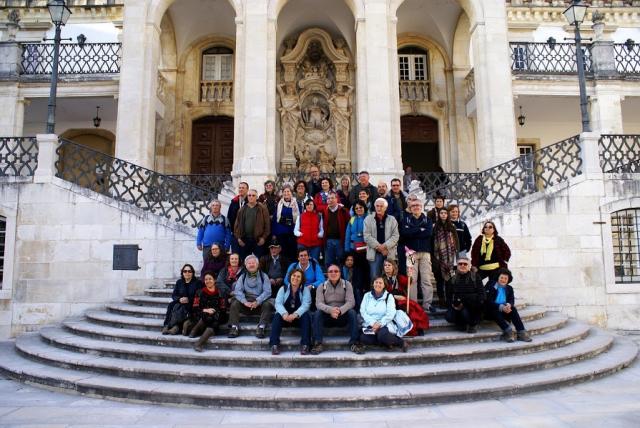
(314, 88)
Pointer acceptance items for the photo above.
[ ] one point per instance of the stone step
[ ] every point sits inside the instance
(309, 397)
(247, 342)
(132, 322)
(148, 301)
(32, 347)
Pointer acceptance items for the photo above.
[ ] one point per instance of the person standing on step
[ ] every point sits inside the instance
(252, 296)
(309, 230)
(292, 307)
(300, 194)
(320, 199)
(465, 297)
(464, 237)
(208, 310)
(445, 247)
(181, 300)
(502, 309)
(284, 222)
(215, 261)
(354, 244)
(335, 218)
(335, 304)
(417, 229)
(363, 184)
(270, 198)
(232, 213)
(314, 185)
(381, 235)
(489, 252)
(275, 266)
(252, 228)
(343, 191)
(213, 228)
(378, 309)
(438, 202)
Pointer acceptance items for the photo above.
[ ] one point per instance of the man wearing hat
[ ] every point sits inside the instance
(465, 296)
(274, 265)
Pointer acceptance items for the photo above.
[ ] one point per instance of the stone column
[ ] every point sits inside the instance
(254, 153)
(47, 145)
(496, 133)
(379, 144)
(590, 153)
(12, 117)
(135, 132)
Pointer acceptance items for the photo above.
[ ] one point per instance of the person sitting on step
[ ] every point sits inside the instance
(252, 295)
(465, 297)
(397, 285)
(183, 294)
(292, 307)
(378, 310)
(502, 309)
(335, 302)
(275, 265)
(208, 310)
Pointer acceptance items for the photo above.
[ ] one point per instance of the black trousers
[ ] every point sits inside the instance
(382, 337)
(469, 315)
(503, 319)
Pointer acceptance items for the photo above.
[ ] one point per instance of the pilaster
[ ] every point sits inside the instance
(47, 145)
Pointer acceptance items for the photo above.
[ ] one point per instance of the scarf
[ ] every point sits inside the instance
(291, 204)
(445, 252)
(487, 248)
(501, 297)
(232, 273)
(208, 292)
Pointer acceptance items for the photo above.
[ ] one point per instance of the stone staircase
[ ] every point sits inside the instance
(119, 352)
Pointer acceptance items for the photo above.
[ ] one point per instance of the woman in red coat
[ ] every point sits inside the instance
(309, 230)
(396, 285)
(489, 252)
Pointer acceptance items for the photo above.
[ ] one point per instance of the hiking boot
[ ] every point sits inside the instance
(275, 350)
(165, 330)
(316, 349)
(186, 327)
(208, 332)
(357, 348)
(523, 336)
(233, 332)
(472, 329)
(174, 330)
(197, 329)
(260, 332)
(304, 350)
(507, 336)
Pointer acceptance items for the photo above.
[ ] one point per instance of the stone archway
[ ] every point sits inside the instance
(420, 143)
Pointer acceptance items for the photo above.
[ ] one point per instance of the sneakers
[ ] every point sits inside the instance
(357, 348)
(316, 349)
(304, 350)
(233, 332)
(507, 336)
(523, 336)
(472, 329)
(275, 350)
(260, 332)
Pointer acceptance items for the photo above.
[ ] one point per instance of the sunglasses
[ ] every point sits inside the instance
(187, 271)
(333, 271)
(463, 264)
(488, 227)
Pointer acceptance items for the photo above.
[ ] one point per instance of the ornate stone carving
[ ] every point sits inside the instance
(315, 103)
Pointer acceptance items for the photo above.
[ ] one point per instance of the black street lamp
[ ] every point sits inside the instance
(97, 120)
(575, 15)
(59, 15)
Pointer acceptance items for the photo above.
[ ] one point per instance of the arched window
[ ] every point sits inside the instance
(413, 63)
(217, 64)
(625, 231)
(3, 235)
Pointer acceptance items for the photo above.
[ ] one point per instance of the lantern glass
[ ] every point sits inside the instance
(576, 13)
(59, 12)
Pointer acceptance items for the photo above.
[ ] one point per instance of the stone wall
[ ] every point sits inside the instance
(63, 256)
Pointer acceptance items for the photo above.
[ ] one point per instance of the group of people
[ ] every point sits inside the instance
(313, 256)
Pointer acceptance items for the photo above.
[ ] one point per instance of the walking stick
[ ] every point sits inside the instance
(409, 271)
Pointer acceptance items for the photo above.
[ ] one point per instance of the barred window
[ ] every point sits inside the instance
(217, 64)
(3, 234)
(625, 230)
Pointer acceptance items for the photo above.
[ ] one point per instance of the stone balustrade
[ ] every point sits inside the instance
(565, 3)
(216, 91)
(414, 90)
(70, 3)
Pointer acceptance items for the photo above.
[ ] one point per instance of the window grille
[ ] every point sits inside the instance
(625, 231)
(3, 234)
(526, 153)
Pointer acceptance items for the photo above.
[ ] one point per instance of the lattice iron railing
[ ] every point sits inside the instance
(627, 58)
(477, 193)
(565, 3)
(620, 153)
(70, 3)
(214, 183)
(124, 181)
(89, 58)
(546, 58)
(18, 156)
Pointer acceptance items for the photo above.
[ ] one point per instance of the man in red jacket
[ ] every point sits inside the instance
(335, 218)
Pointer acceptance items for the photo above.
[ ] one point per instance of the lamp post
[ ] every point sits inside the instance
(59, 15)
(575, 15)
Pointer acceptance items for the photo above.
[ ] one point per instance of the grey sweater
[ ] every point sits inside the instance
(329, 296)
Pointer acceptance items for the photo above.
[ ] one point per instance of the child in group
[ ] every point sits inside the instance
(502, 309)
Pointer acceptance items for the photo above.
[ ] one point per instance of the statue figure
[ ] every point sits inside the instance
(305, 159)
(315, 115)
(289, 114)
(326, 160)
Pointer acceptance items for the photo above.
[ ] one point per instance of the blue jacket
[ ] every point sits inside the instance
(214, 230)
(313, 275)
(381, 310)
(283, 295)
(416, 232)
(354, 233)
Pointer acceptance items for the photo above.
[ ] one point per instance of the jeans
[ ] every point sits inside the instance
(321, 320)
(382, 337)
(304, 322)
(375, 266)
(333, 252)
(289, 245)
(421, 263)
(503, 319)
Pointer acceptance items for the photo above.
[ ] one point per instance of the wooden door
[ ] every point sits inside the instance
(420, 143)
(212, 145)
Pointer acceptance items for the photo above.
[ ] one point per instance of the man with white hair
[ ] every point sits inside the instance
(381, 236)
(214, 228)
(251, 295)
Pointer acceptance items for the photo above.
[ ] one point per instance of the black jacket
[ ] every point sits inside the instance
(204, 300)
(466, 288)
(182, 289)
(464, 237)
(416, 232)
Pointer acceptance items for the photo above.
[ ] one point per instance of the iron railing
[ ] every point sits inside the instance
(546, 58)
(88, 58)
(213, 183)
(18, 156)
(565, 3)
(70, 3)
(477, 193)
(620, 153)
(627, 57)
(126, 182)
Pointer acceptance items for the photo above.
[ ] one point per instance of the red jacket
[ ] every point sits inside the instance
(310, 227)
(343, 220)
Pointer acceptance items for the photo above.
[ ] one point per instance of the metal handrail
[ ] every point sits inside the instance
(546, 58)
(75, 58)
(619, 153)
(18, 156)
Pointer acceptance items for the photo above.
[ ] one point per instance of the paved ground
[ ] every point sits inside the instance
(611, 402)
